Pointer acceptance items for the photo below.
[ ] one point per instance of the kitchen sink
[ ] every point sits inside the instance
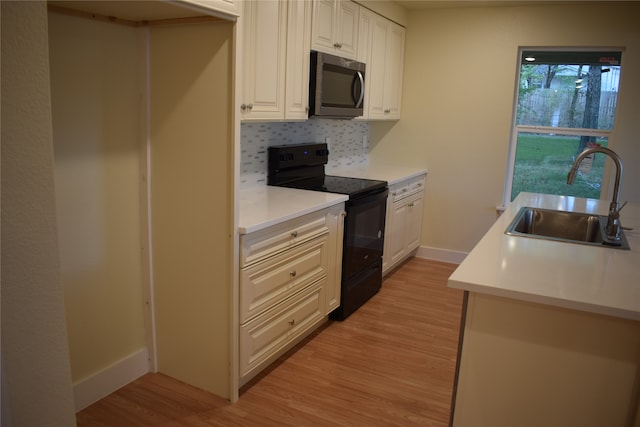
(570, 227)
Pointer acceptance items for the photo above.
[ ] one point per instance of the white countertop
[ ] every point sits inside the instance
(380, 171)
(593, 279)
(263, 206)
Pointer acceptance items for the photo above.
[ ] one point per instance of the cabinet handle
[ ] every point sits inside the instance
(337, 45)
(404, 190)
(292, 273)
(250, 107)
(410, 205)
(387, 111)
(243, 107)
(292, 322)
(294, 234)
(394, 193)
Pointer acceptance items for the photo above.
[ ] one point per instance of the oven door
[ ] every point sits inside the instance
(363, 232)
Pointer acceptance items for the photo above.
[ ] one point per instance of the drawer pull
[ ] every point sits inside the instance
(294, 234)
(292, 273)
(292, 322)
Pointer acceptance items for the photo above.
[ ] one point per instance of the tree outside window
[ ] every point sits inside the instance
(566, 102)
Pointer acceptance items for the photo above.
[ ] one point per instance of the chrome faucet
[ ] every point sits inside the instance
(614, 226)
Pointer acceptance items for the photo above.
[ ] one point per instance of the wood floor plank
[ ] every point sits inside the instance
(391, 363)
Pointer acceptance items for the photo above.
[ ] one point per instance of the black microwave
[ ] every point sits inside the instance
(336, 86)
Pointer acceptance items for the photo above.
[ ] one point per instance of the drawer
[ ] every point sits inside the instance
(268, 335)
(272, 240)
(406, 188)
(417, 184)
(266, 283)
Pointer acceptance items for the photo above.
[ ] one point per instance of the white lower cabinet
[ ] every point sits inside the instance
(289, 282)
(404, 221)
(274, 332)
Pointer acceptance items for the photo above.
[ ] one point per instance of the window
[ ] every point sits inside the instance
(566, 102)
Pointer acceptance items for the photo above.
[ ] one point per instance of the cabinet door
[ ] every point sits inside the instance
(397, 232)
(385, 69)
(298, 47)
(376, 68)
(264, 59)
(363, 53)
(348, 14)
(335, 27)
(394, 66)
(323, 26)
(386, 257)
(413, 223)
(335, 219)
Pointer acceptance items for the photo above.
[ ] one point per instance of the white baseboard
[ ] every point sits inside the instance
(444, 255)
(91, 389)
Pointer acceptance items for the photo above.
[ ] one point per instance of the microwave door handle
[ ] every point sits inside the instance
(361, 98)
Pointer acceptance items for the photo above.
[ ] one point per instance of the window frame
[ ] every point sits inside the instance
(517, 129)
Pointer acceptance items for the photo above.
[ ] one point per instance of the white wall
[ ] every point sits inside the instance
(96, 114)
(36, 378)
(459, 85)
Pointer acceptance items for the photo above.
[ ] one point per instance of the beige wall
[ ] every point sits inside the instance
(36, 379)
(192, 201)
(459, 84)
(96, 107)
(388, 9)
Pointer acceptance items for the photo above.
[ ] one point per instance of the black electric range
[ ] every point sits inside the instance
(302, 166)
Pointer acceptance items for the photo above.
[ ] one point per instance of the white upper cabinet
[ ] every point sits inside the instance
(265, 43)
(384, 57)
(335, 27)
(226, 7)
(298, 57)
(276, 60)
(363, 53)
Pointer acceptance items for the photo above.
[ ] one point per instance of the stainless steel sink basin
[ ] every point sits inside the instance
(571, 227)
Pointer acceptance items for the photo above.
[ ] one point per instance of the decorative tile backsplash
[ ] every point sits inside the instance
(348, 144)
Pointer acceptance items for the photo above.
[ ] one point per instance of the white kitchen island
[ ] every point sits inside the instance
(551, 330)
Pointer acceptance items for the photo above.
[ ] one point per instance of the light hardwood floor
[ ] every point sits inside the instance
(391, 363)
